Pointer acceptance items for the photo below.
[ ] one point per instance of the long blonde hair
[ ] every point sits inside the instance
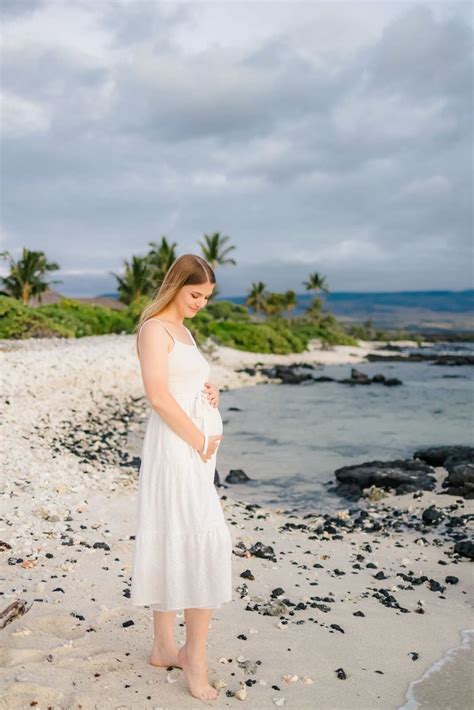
(186, 269)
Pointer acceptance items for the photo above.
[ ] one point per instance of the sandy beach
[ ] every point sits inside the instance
(327, 612)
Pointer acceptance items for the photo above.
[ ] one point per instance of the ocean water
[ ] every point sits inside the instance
(448, 684)
(289, 439)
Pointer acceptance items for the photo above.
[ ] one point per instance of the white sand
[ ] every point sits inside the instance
(53, 505)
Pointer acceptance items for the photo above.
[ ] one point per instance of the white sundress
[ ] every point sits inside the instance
(183, 546)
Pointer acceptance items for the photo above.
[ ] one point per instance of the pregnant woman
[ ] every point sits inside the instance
(183, 546)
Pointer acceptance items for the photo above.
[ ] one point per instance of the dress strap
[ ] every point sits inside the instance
(167, 329)
(151, 320)
(191, 336)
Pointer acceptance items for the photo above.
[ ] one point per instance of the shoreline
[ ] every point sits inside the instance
(70, 522)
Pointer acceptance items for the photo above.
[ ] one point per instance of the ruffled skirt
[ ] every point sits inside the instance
(183, 546)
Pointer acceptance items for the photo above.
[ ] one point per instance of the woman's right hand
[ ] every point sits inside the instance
(212, 446)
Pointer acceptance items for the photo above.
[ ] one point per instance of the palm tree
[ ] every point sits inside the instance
(26, 277)
(316, 282)
(213, 252)
(290, 301)
(160, 257)
(256, 297)
(274, 303)
(136, 281)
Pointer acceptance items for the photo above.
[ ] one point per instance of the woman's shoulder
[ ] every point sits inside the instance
(157, 327)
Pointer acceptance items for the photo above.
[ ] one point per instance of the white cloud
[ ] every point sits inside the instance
(19, 115)
(299, 129)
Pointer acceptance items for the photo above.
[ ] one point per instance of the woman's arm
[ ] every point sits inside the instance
(153, 346)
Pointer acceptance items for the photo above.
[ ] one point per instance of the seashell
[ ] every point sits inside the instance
(218, 684)
(241, 694)
(28, 564)
(306, 680)
(170, 679)
(290, 678)
(223, 660)
(279, 701)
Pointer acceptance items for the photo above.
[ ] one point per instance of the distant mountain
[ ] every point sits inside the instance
(436, 311)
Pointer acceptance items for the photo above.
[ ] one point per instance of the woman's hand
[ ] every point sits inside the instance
(214, 440)
(212, 393)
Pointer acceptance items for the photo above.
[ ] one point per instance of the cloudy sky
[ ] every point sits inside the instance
(320, 136)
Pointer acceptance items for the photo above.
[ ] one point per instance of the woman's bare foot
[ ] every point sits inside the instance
(195, 672)
(164, 655)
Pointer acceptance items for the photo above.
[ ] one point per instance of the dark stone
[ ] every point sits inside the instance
(263, 551)
(336, 627)
(432, 516)
(404, 475)
(277, 592)
(236, 475)
(450, 579)
(288, 374)
(465, 548)
(341, 674)
(458, 461)
(247, 574)
(437, 455)
(435, 586)
(449, 360)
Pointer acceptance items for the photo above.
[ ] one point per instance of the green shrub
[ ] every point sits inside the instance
(85, 319)
(19, 321)
(254, 337)
(226, 310)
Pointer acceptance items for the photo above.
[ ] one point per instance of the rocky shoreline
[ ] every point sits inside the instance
(337, 583)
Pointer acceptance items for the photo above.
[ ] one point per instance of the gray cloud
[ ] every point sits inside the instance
(347, 157)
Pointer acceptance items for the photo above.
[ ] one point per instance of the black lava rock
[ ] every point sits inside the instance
(432, 516)
(236, 475)
(405, 476)
(465, 548)
(450, 579)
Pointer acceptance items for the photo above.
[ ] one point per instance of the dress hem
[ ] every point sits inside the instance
(187, 606)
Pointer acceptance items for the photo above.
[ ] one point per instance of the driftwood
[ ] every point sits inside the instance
(13, 611)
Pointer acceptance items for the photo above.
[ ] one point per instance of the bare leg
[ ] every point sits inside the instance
(192, 656)
(164, 651)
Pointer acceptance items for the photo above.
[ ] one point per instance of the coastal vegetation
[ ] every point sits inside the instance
(264, 323)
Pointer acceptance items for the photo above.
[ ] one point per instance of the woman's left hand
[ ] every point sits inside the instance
(212, 393)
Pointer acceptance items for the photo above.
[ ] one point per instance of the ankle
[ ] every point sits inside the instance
(164, 643)
(195, 654)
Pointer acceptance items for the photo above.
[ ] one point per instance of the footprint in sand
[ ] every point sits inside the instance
(23, 695)
(104, 662)
(10, 657)
(59, 625)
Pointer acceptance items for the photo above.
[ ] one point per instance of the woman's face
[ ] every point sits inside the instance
(194, 297)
